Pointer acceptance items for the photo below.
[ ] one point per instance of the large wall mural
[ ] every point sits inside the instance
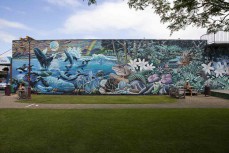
(117, 66)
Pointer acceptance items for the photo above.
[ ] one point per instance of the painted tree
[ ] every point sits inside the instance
(117, 46)
(210, 14)
(111, 45)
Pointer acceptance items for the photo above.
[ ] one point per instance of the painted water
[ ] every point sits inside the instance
(61, 78)
(117, 66)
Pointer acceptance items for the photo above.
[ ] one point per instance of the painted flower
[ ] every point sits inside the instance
(149, 66)
(153, 78)
(226, 68)
(142, 63)
(207, 68)
(160, 69)
(220, 70)
(133, 64)
(166, 79)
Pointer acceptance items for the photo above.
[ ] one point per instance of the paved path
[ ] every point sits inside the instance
(221, 91)
(189, 102)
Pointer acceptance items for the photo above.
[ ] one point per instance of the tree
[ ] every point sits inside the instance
(91, 2)
(210, 14)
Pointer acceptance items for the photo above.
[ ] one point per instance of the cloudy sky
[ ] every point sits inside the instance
(73, 19)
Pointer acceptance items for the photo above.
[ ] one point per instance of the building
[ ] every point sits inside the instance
(135, 66)
(5, 67)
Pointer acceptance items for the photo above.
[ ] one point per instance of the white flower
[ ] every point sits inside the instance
(149, 66)
(141, 63)
(207, 68)
(227, 70)
(133, 64)
(220, 70)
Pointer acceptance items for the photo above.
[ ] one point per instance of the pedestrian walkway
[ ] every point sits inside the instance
(221, 91)
(199, 101)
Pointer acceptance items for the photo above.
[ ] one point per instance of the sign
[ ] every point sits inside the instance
(4, 61)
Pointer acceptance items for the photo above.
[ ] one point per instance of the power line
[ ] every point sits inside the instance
(5, 52)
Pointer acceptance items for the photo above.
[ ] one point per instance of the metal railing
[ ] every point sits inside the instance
(219, 37)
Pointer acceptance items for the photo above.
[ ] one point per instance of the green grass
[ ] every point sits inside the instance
(115, 131)
(71, 99)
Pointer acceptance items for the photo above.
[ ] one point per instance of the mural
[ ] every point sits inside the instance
(117, 66)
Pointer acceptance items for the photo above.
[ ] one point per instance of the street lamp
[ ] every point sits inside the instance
(28, 39)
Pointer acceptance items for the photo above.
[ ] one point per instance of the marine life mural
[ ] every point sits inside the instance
(117, 66)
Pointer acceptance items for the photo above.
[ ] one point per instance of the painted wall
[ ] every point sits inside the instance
(117, 66)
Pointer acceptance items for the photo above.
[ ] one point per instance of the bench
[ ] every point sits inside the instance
(180, 92)
(177, 92)
(194, 92)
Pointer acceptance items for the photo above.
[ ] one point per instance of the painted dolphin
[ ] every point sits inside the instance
(42, 58)
(42, 73)
(70, 58)
(71, 77)
(66, 77)
(82, 66)
(23, 68)
(85, 62)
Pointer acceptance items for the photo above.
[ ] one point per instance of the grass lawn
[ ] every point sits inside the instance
(71, 99)
(115, 131)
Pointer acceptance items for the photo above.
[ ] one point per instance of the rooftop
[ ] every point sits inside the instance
(220, 37)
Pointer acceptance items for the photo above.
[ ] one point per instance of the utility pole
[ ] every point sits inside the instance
(28, 39)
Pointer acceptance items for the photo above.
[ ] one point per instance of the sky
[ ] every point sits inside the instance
(74, 19)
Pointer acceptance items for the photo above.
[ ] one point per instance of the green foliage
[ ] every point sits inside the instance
(91, 2)
(137, 76)
(102, 51)
(222, 82)
(210, 14)
(181, 13)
